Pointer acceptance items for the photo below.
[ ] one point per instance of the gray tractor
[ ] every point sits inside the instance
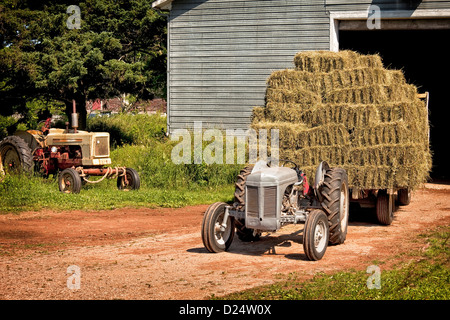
(267, 197)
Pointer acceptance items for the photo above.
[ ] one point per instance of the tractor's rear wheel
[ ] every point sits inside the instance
(385, 207)
(132, 181)
(15, 156)
(336, 203)
(243, 233)
(69, 181)
(316, 235)
(216, 237)
(239, 191)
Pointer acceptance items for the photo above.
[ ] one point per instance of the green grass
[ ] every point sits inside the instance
(140, 129)
(424, 276)
(139, 142)
(21, 193)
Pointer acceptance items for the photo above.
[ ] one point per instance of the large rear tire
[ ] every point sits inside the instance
(336, 203)
(316, 235)
(243, 233)
(239, 191)
(215, 238)
(15, 156)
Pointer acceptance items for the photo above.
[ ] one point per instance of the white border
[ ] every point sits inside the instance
(335, 16)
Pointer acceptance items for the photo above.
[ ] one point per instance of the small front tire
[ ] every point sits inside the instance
(215, 237)
(69, 181)
(132, 181)
(316, 235)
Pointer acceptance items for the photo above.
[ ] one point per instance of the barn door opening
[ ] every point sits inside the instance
(423, 56)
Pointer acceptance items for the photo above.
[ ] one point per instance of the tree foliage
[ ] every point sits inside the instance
(118, 48)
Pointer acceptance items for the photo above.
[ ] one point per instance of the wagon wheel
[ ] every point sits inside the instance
(404, 197)
(15, 156)
(132, 181)
(69, 181)
(385, 207)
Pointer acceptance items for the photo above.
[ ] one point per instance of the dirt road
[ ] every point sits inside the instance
(158, 253)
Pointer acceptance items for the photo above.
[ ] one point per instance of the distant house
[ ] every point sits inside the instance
(115, 105)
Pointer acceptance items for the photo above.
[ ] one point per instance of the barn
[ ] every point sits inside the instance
(221, 52)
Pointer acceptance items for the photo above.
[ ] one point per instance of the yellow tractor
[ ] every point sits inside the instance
(73, 154)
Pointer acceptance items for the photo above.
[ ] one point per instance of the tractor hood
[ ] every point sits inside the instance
(272, 176)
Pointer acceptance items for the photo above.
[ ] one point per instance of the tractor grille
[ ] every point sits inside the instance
(101, 146)
(270, 202)
(252, 199)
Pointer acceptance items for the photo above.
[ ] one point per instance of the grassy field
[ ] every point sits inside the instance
(423, 275)
(139, 142)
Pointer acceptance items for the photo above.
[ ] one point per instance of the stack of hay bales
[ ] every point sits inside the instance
(347, 109)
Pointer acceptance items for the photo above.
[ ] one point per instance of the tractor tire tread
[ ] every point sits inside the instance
(22, 149)
(334, 179)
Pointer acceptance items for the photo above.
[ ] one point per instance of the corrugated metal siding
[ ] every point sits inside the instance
(221, 53)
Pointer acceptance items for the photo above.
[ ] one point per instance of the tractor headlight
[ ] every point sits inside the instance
(54, 149)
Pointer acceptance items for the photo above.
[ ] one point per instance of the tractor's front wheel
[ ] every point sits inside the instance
(316, 235)
(69, 181)
(217, 233)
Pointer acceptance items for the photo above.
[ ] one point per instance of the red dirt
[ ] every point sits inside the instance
(158, 253)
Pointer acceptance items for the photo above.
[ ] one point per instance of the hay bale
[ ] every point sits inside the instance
(326, 61)
(372, 94)
(301, 96)
(258, 114)
(292, 79)
(347, 109)
(298, 136)
(324, 82)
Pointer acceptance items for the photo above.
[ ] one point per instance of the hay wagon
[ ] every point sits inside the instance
(347, 109)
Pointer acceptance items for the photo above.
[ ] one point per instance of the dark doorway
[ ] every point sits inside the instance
(423, 56)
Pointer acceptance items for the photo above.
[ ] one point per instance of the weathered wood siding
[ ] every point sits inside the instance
(222, 51)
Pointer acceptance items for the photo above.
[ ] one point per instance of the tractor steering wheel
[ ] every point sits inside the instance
(284, 162)
(46, 126)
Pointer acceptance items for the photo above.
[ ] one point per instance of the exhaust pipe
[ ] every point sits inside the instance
(74, 117)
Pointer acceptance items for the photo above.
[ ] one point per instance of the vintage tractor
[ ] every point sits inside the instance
(73, 154)
(268, 197)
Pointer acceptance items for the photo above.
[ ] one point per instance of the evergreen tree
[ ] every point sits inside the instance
(59, 51)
